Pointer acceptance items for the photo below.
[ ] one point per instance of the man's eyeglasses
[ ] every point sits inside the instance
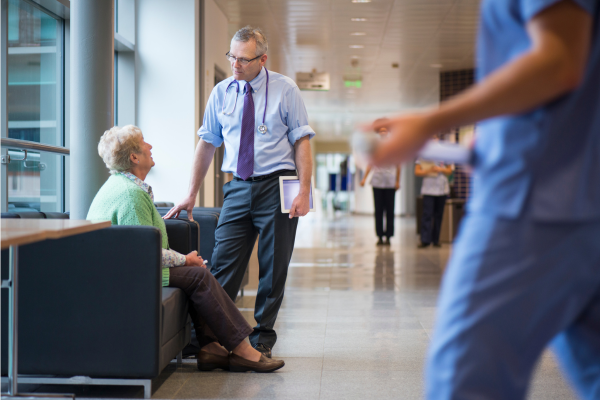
(242, 61)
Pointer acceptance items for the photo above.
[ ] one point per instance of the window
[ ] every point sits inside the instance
(35, 107)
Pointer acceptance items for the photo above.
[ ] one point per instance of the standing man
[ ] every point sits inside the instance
(261, 118)
(525, 270)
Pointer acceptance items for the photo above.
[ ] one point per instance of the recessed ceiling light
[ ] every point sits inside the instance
(357, 46)
(361, 1)
(436, 65)
(358, 34)
(358, 19)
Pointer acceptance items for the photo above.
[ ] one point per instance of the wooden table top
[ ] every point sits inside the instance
(17, 232)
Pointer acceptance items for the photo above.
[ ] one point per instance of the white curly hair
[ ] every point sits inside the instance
(116, 146)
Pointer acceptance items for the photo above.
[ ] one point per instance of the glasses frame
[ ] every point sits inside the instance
(239, 59)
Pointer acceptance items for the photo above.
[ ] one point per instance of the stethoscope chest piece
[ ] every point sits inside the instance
(262, 129)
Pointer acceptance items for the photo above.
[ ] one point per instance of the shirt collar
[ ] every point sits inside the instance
(256, 83)
(145, 187)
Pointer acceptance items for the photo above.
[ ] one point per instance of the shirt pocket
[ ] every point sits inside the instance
(276, 128)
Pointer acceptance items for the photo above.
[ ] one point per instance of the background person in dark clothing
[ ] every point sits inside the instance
(385, 182)
(435, 190)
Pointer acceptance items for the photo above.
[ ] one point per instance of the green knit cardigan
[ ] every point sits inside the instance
(123, 202)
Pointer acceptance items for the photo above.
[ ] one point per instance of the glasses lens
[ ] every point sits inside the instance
(232, 59)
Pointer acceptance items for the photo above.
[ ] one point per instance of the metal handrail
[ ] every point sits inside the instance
(29, 145)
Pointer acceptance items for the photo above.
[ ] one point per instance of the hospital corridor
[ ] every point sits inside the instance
(300, 199)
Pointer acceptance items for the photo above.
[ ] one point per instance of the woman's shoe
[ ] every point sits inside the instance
(240, 364)
(209, 361)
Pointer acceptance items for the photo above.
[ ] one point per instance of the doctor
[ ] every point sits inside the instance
(260, 117)
(525, 270)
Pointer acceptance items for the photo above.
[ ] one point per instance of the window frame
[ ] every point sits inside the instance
(15, 144)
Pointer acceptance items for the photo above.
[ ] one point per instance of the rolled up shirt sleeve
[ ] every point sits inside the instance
(297, 117)
(171, 258)
(211, 129)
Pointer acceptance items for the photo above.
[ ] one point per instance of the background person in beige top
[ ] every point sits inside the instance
(435, 190)
(385, 182)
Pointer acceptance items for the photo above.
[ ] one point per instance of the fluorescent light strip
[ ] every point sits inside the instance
(357, 46)
(358, 19)
(358, 34)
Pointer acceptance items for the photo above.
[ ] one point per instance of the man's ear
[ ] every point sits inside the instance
(134, 159)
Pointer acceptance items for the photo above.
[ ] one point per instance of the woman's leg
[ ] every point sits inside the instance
(438, 216)
(427, 220)
(390, 197)
(379, 204)
(215, 316)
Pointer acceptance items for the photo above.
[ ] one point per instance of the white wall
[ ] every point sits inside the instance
(216, 44)
(166, 71)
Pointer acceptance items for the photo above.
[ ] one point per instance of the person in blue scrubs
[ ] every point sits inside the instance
(525, 270)
(260, 117)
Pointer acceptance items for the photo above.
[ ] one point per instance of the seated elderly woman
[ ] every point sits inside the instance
(126, 199)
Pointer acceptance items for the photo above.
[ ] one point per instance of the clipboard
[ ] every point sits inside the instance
(289, 187)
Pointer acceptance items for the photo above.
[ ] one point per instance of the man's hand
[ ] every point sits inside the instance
(194, 260)
(397, 186)
(187, 204)
(362, 183)
(300, 206)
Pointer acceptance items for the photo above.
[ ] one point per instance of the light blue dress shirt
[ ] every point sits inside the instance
(286, 120)
(543, 164)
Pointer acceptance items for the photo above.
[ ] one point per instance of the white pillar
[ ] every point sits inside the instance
(92, 74)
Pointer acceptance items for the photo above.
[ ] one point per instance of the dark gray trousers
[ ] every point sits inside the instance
(251, 209)
(215, 316)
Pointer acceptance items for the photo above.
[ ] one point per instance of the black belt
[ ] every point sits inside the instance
(263, 177)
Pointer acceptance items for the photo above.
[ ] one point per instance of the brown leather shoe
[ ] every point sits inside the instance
(240, 364)
(209, 362)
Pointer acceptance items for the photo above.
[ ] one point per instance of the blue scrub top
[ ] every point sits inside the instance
(286, 121)
(544, 164)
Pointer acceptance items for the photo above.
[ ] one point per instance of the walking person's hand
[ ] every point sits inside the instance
(187, 204)
(408, 134)
(194, 260)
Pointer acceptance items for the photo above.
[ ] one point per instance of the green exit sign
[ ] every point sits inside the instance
(356, 84)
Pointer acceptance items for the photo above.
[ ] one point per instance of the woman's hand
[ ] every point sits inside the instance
(194, 260)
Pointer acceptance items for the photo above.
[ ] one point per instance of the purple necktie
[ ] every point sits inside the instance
(245, 165)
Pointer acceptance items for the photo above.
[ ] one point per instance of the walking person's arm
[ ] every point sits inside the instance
(202, 159)
(397, 178)
(303, 158)
(553, 66)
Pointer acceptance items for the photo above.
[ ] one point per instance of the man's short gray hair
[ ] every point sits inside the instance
(248, 33)
(116, 146)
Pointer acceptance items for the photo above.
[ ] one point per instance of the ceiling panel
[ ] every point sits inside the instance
(423, 37)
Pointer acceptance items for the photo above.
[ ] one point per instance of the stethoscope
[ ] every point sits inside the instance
(261, 128)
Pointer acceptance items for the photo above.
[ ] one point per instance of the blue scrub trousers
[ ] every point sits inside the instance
(511, 288)
(252, 209)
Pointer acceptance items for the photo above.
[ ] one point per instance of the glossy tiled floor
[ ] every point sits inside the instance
(355, 323)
